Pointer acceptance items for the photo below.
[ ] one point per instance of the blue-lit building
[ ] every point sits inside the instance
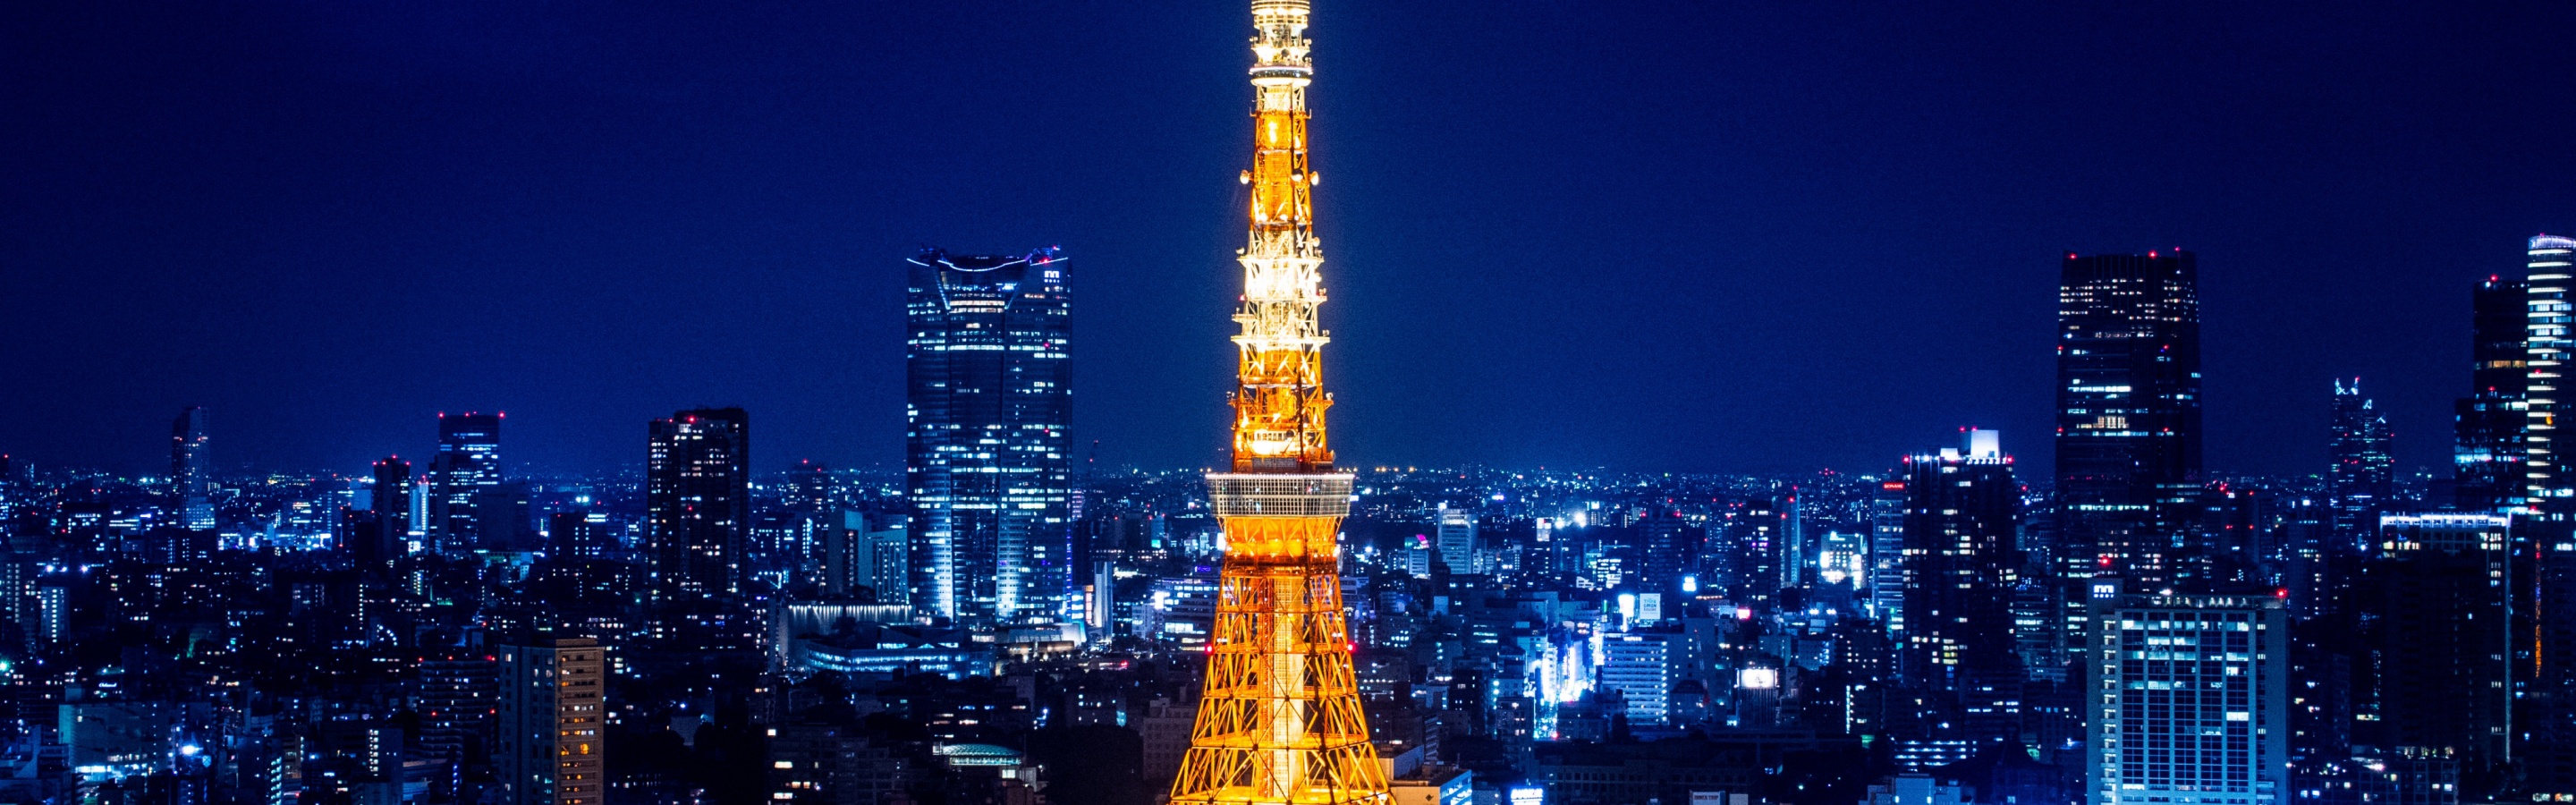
(989, 402)
(1639, 666)
(1179, 611)
(892, 649)
(2193, 704)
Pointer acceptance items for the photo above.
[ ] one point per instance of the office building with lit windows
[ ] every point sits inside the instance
(2128, 412)
(989, 400)
(1457, 540)
(390, 499)
(1887, 555)
(2487, 452)
(1639, 666)
(467, 465)
(697, 499)
(2546, 531)
(2189, 703)
(2545, 348)
(2361, 478)
(550, 750)
(192, 475)
(1962, 507)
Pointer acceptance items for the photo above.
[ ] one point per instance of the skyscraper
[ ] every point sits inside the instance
(2192, 701)
(1887, 555)
(1457, 540)
(2439, 592)
(1668, 544)
(2128, 412)
(467, 465)
(391, 497)
(457, 697)
(2488, 453)
(1961, 508)
(2547, 529)
(697, 500)
(422, 489)
(1279, 718)
(192, 477)
(987, 459)
(2546, 343)
(550, 750)
(2362, 476)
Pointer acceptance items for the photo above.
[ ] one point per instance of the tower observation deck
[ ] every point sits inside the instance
(1279, 720)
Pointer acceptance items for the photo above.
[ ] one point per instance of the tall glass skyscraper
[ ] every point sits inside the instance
(987, 468)
(2548, 527)
(1887, 555)
(468, 463)
(697, 499)
(2488, 453)
(2508, 464)
(2128, 413)
(192, 477)
(2546, 344)
(2362, 477)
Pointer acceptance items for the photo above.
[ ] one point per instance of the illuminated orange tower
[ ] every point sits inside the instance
(1280, 721)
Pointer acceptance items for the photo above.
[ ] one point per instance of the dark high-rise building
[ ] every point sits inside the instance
(812, 513)
(2488, 454)
(467, 465)
(1961, 564)
(1667, 544)
(2241, 535)
(2128, 412)
(2363, 474)
(550, 750)
(456, 698)
(1745, 560)
(809, 490)
(391, 498)
(503, 514)
(2439, 595)
(697, 496)
(990, 397)
(192, 477)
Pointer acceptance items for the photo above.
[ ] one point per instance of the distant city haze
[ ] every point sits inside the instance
(1648, 236)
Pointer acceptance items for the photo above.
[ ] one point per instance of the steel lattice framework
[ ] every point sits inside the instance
(1279, 720)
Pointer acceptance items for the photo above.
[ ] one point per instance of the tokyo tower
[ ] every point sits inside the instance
(1279, 720)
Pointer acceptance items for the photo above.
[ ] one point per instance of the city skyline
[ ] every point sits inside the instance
(1707, 299)
(1811, 278)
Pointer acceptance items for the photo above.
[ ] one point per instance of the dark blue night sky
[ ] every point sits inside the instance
(1644, 235)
